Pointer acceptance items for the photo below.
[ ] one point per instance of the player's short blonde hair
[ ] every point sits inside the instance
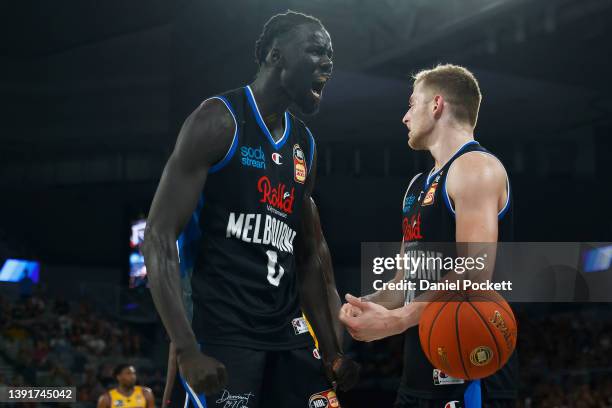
(458, 86)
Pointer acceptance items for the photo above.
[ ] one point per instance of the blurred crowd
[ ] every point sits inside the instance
(56, 343)
(565, 357)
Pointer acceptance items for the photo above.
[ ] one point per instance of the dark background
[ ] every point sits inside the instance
(93, 94)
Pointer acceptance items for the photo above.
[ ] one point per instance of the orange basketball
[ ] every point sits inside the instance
(468, 334)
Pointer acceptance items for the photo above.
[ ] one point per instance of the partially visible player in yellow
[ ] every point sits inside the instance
(127, 394)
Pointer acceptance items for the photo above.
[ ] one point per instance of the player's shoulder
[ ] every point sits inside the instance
(477, 164)
(145, 390)
(105, 397)
(207, 133)
(476, 172)
(215, 112)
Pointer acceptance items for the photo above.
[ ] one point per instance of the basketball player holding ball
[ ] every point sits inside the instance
(465, 198)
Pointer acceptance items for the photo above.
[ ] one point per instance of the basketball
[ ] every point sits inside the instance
(468, 334)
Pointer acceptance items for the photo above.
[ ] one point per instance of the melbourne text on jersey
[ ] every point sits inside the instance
(261, 229)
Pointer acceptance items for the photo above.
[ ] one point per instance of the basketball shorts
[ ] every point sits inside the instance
(472, 397)
(263, 378)
(413, 402)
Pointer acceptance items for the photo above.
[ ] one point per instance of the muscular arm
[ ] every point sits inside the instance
(316, 284)
(203, 140)
(477, 185)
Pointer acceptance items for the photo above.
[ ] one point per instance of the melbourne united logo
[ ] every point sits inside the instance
(253, 157)
(277, 197)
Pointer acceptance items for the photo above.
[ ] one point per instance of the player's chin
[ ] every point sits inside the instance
(309, 104)
(415, 143)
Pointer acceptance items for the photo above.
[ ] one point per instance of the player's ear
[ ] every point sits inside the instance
(438, 106)
(274, 57)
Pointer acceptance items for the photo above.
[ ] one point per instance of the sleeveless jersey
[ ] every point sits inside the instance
(135, 400)
(240, 240)
(428, 215)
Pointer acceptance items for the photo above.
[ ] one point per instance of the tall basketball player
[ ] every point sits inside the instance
(127, 394)
(240, 179)
(465, 198)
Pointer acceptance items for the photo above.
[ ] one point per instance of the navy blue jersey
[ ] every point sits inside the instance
(428, 215)
(240, 240)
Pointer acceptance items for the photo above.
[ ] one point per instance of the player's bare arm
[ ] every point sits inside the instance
(317, 287)
(104, 401)
(170, 375)
(476, 184)
(149, 397)
(203, 140)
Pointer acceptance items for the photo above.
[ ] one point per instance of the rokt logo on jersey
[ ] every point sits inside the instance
(276, 197)
(299, 164)
(276, 158)
(253, 157)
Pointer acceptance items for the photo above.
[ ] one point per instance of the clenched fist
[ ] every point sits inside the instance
(203, 373)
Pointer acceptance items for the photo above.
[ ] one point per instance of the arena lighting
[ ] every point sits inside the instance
(14, 270)
(598, 259)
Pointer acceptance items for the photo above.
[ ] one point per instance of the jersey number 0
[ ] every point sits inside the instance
(274, 277)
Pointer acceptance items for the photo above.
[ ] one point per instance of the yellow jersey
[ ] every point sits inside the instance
(134, 400)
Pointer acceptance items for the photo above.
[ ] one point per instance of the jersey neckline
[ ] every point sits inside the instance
(264, 128)
(433, 174)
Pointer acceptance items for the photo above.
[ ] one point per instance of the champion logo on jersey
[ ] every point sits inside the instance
(276, 158)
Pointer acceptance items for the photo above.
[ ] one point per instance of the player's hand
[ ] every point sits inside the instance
(344, 372)
(203, 373)
(349, 310)
(373, 323)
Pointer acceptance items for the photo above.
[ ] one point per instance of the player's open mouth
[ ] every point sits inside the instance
(317, 86)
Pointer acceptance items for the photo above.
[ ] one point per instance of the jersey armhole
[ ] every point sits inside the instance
(232, 149)
(312, 149)
(500, 213)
